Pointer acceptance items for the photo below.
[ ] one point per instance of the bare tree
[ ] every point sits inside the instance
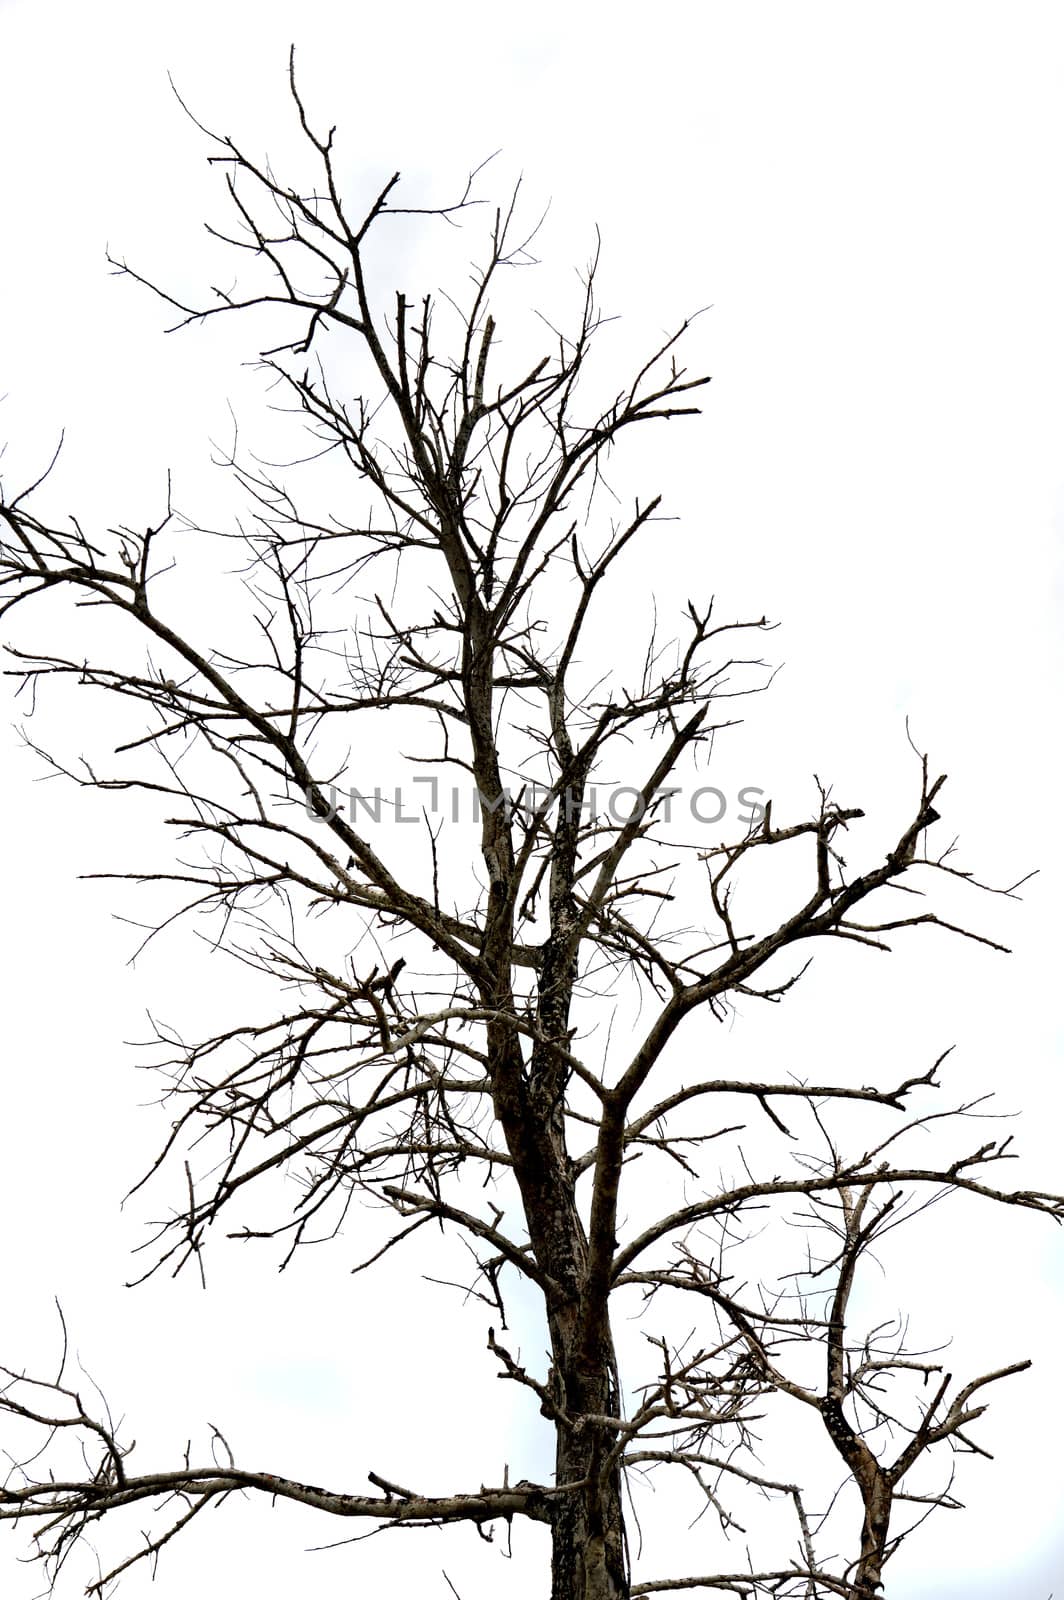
(465, 1074)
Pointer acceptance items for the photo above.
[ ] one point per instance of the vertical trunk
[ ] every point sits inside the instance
(587, 1536)
(868, 1579)
(587, 1552)
(875, 1485)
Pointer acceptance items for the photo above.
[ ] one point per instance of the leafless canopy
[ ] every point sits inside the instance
(447, 1053)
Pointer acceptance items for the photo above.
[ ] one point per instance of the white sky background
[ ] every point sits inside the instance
(870, 198)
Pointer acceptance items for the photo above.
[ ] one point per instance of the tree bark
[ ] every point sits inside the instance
(868, 1579)
(587, 1534)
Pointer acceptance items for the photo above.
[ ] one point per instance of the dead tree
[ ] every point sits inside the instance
(462, 1075)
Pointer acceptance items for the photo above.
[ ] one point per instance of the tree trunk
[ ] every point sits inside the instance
(878, 1498)
(587, 1535)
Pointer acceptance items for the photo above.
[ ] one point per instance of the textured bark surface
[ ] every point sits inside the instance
(587, 1534)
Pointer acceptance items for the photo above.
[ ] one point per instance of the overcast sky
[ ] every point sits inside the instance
(869, 198)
